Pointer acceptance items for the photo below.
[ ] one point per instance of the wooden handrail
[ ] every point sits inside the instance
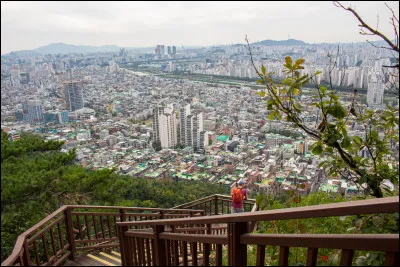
(369, 206)
(18, 247)
(166, 240)
(373, 242)
(210, 198)
(22, 240)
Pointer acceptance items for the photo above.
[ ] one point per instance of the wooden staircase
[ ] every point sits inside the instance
(201, 232)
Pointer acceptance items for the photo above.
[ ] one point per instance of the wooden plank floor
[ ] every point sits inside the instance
(96, 259)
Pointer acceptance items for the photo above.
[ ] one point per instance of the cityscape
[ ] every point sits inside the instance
(110, 150)
(148, 119)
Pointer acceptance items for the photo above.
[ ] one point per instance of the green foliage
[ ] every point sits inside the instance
(37, 179)
(372, 224)
(331, 134)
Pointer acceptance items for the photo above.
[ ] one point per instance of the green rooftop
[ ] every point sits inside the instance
(222, 138)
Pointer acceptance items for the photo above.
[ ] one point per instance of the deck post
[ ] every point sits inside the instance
(123, 245)
(70, 232)
(25, 256)
(215, 205)
(159, 247)
(237, 252)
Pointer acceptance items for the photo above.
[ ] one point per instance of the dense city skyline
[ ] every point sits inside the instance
(29, 25)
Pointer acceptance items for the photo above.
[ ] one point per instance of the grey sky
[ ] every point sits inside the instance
(29, 25)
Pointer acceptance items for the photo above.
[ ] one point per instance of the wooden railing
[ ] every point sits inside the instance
(217, 204)
(72, 229)
(165, 244)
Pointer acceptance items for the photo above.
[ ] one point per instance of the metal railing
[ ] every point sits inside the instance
(164, 245)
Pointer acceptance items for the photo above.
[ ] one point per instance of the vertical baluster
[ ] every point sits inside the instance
(215, 205)
(148, 255)
(206, 248)
(36, 253)
(95, 227)
(185, 253)
(27, 255)
(60, 235)
(115, 225)
(312, 254)
(193, 249)
(218, 255)
(175, 251)
(134, 251)
(87, 227)
(347, 257)
(79, 227)
(109, 227)
(46, 250)
(102, 227)
(260, 260)
(140, 252)
(143, 254)
(283, 256)
(53, 242)
(168, 252)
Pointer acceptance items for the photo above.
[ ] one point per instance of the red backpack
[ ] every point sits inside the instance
(237, 195)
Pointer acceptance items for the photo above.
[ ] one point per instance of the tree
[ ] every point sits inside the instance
(331, 134)
(365, 29)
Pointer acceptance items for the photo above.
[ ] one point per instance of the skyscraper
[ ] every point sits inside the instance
(174, 50)
(32, 110)
(169, 50)
(165, 126)
(191, 125)
(162, 50)
(73, 95)
(375, 89)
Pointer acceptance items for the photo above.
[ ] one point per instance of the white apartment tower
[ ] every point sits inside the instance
(165, 126)
(191, 125)
(375, 89)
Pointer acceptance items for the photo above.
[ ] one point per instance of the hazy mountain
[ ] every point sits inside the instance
(283, 42)
(61, 48)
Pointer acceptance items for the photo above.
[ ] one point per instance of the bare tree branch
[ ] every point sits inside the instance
(366, 26)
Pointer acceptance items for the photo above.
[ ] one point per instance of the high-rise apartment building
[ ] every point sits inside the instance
(162, 50)
(73, 95)
(32, 110)
(165, 126)
(191, 125)
(375, 89)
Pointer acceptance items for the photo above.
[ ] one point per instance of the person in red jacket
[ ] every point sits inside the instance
(239, 193)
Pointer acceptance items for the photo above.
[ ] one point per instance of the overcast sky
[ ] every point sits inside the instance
(29, 25)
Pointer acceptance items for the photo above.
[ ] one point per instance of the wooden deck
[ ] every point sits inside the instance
(97, 259)
(112, 259)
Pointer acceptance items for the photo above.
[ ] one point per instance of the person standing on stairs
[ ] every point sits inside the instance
(239, 193)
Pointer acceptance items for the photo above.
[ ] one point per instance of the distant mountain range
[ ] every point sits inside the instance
(283, 42)
(61, 48)
(277, 43)
(68, 48)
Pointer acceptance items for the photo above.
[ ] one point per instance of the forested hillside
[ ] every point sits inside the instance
(36, 179)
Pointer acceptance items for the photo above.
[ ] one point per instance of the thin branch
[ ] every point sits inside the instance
(364, 25)
(388, 48)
